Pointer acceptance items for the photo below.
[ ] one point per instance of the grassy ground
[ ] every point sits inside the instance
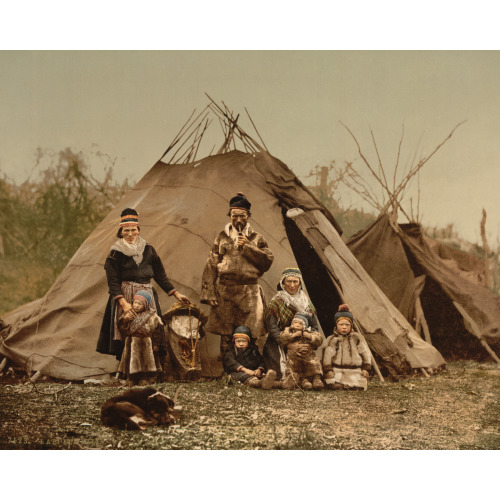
(454, 410)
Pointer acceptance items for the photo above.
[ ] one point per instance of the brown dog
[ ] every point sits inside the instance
(137, 409)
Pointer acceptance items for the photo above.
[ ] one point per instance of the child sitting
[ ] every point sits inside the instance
(244, 363)
(138, 325)
(347, 357)
(300, 344)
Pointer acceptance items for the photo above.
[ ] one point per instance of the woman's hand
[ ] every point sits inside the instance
(126, 306)
(364, 373)
(181, 298)
(130, 314)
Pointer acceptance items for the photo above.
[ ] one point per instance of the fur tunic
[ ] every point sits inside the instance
(301, 353)
(240, 297)
(138, 354)
(346, 356)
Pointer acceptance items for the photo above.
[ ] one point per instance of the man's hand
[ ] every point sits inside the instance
(242, 240)
(213, 303)
(258, 373)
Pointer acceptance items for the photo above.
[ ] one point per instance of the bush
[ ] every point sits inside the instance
(47, 219)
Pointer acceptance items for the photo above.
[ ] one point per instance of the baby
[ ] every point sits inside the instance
(302, 365)
(244, 363)
(347, 357)
(138, 325)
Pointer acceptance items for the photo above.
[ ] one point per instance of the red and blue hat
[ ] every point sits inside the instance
(129, 217)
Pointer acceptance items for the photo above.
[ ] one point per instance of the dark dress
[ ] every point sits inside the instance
(249, 358)
(120, 268)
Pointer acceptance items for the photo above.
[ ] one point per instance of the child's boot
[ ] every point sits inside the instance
(254, 382)
(317, 385)
(289, 383)
(268, 381)
(306, 385)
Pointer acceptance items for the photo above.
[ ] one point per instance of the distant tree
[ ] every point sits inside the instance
(46, 219)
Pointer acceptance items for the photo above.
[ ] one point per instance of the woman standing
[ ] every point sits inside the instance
(289, 300)
(130, 266)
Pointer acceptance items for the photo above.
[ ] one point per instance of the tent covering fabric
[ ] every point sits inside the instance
(387, 332)
(398, 260)
(467, 265)
(181, 209)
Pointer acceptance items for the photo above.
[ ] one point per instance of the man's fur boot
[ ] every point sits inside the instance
(268, 380)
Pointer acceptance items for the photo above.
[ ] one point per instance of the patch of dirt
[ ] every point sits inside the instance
(456, 409)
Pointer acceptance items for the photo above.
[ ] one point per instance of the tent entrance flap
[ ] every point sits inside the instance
(374, 311)
(320, 287)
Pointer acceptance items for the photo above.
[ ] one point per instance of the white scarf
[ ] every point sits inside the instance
(299, 301)
(134, 250)
(233, 233)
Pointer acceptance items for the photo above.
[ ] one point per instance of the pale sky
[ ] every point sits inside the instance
(132, 104)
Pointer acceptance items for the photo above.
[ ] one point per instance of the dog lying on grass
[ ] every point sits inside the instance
(137, 409)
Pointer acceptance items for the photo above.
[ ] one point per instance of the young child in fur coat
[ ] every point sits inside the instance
(302, 367)
(347, 357)
(139, 363)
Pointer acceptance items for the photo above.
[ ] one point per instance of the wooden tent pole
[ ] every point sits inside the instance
(3, 364)
(182, 132)
(421, 319)
(374, 363)
(376, 368)
(255, 128)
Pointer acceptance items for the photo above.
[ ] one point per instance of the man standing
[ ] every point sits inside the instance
(239, 256)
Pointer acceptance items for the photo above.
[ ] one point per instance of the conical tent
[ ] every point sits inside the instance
(463, 317)
(182, 207)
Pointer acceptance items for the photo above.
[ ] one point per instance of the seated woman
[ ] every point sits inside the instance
(289, 300)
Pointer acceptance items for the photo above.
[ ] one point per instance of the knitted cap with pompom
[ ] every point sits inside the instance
(344, 312)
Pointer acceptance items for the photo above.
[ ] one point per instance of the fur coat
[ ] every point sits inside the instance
(231, 278)
(346, 356)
